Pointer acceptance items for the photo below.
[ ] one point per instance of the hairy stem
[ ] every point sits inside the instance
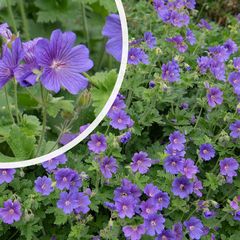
(11, 16)
(8, 105)
(24, 19)
(85, 25)
(44, 123)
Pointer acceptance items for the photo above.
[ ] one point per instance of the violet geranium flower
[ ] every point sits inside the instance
(43, 185)
(6, 175)
(228, 168)
(108, 166)
(62, 63)
(136, 56)
(177, 140)
(67, 202)
(214, 96)
(171, 71)
(10, 61)
(182, 187)
(120, 120)
(113, 31)
(154, 224)
(235, 129)
(11, 212)
(141, 162)
(173, 164)
(149, 39)
(194, 227)
(133, 233)
(125, 207)
(97, 143)
(206, 151)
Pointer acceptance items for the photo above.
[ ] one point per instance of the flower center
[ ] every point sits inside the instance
(153, 223)
(148, 210)
(175, 140)
(119, 120)
(139, 162)
(65, 179)
(205, 151)
(182, 186)
(124, 207)
(160, 199)
(43, 186)
(98, 144)
(226, 167)
(191, 228)
(174, 164)
(67, 203)
(11, 211)
(57, 65)
(132, 57)
(4, 172)
(164, 237)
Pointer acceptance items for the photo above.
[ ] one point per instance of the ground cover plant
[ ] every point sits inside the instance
(55, 72)
(164, 164)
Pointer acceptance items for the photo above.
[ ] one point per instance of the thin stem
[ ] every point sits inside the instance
(85, 25)
(16, 101)
(8, 105)
(24, 19)
(44, 124)
(200, 113)
(11, 16)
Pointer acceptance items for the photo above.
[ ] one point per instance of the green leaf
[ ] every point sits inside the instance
(55, 105)
(103, 85)
(21, 145)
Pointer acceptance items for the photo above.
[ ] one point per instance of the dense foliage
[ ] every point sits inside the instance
(171, 171)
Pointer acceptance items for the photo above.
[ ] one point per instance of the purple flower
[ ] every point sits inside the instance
(206, 151)
(62, 64)
(110, 206)
(108, 166)
(149, 207)
(173, 164)
(189, 169)
(141, 162)
(173, 152)
(203, 64)
(235, 129)
(197, 186)
(166, 235)
(234, 79)
(179, 19)
(236, 63)
(125, 207)
(113, 31)
(43, 185)
(83, 202)
(118, 105)
(214, 96)
(67, 179)
(217, 68)
(11, 211)
(219, 53)
(178, 231)
(5, 32)
(98, 143)
(133, 233)
(10, 61)
(177, 140)
(150, 190)
(204, 24)
(149, 39)
(228, 167)
(136, 56)
(126, 137)
(237, 216)
(162, 199)
(53, 163)
(190, 37)
(67, 202)
(171, 71)
(120, 120)
(154, 224)
(152, 84)
(182, 187)
(179, 43)
(26, 74)
(230, 46)
(6, 175)
(194, 227)
(208, 214)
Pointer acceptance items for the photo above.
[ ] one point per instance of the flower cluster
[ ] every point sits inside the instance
(56, 62)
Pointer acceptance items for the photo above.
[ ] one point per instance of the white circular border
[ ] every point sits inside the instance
(100, 116)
